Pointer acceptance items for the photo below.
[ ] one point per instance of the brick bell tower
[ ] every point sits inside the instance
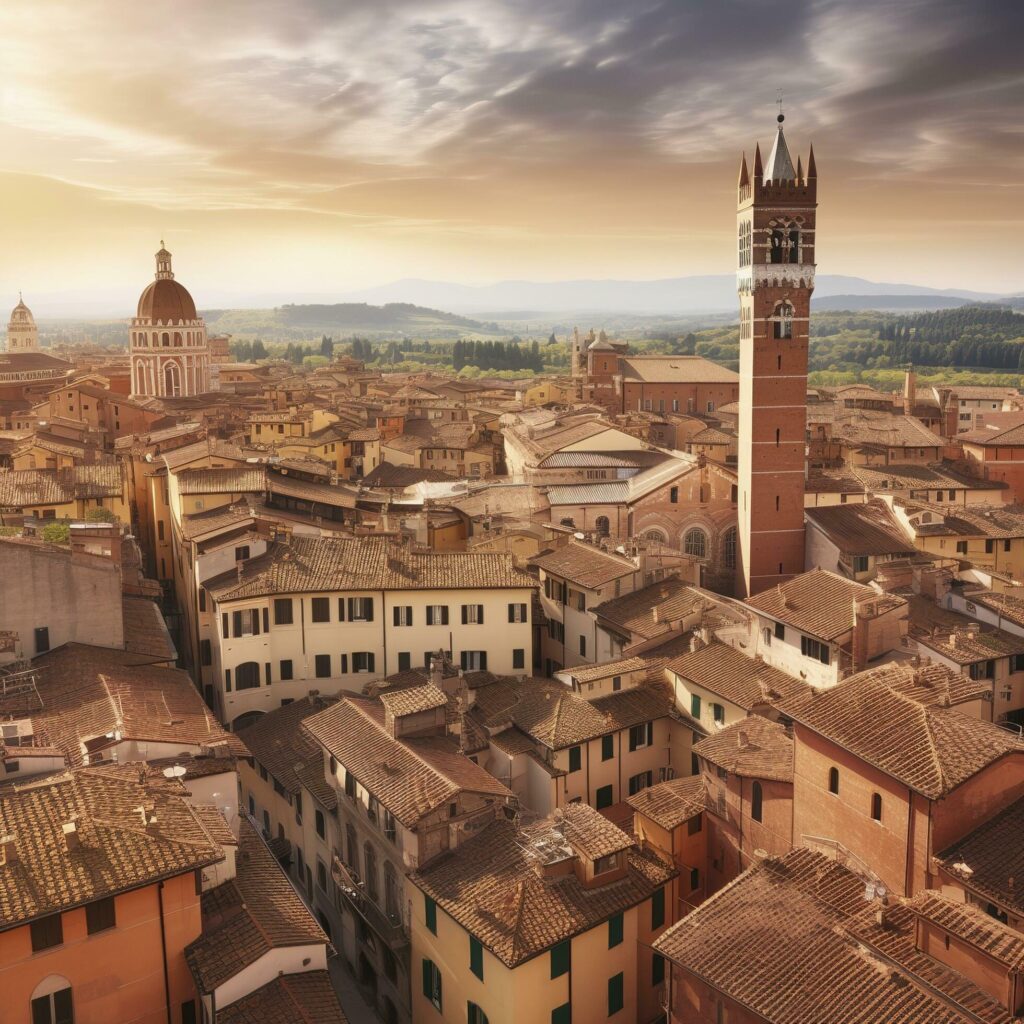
(774, 278)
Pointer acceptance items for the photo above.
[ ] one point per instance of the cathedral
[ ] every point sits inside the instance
(22, 333)
(170, 357)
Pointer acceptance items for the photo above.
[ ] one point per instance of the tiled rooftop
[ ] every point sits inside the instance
(753, 747)
(670, 803)
(584, 564)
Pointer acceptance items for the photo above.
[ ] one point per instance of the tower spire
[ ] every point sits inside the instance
(780, 163)
(812, 171)
(758, 170)
(744, 173)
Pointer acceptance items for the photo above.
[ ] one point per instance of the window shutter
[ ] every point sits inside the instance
(266, 620)
(236, 623)
(370, 660)
(479, 614)
(408, 616)
(483, 661)
(511, 613)
(369, 608)
(254, 619)
(465, 614)
(650, 734)
(341, 609)
(444, 615)
(266, 671)
(428, 979)
(351, 607)
(224, 624)
(464, 660)
(397, 613)
(632, 739)
(227, 680)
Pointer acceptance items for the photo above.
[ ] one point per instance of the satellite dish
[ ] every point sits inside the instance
(174, 772)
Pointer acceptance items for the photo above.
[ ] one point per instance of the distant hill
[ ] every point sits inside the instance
(675, 295)
(885, 303)
(394, 319)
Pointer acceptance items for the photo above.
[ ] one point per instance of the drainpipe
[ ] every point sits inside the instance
(163, 948)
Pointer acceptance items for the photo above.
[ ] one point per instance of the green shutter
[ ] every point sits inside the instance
(476, 957)
(615, 994)
(560, 959)
(607, 748)
(695, 705)
(658, 909)
(428, 979)
(562, 1014)
(614, 930)
(575, 759)
(604, 797)
(430, 911)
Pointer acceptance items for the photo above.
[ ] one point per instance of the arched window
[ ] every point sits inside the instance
(172, 380)
(247, 676)
(785, 245)
(177, 339)
(244, 721)
(695, 543)
(756, 801)
(370, 871)
(165, 339)
(744, 244)
(51, 1001)
(475, 1015)
(782, 319)
(140, 378)
(602, 526)
(833, 780)
(729, 548)
(655, 534)
(876, 806)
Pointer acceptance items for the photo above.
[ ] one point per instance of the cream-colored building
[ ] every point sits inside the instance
(335, 613)
(490, 944)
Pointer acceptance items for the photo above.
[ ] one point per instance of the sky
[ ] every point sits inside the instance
(303, 149)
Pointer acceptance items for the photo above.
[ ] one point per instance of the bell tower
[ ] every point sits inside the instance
(775, 278)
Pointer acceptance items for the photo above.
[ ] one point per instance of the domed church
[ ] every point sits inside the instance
(22, 333)
(169, 354)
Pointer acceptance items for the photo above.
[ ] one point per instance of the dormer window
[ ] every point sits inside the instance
(603, 864)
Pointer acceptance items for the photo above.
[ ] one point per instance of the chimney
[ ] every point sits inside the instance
(743, 738)
(8, 851)
(909, 391)
(72, 840)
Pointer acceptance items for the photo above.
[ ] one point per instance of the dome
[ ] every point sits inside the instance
(168, 301)
(21, 314)
(165, 300)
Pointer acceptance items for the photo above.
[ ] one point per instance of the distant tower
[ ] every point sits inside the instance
(22, 333)
(169, 354)
(775, 278)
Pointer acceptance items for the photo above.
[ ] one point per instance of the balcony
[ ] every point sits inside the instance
(390, 928)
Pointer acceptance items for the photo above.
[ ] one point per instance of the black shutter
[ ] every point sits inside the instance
(254, 619)
(397, 612)
(351, 607)
(444, 615)
(266, 620)
(464, 660)
(430, 614)
(480, 614)
(266, 671)
(236, 623)
(369, 609)
(511, 612)
(224, 624)
(650, 734)
(465, 614)
(371, 660)
(227, 680)
(483, 661)
(341, 609)
(408, 615)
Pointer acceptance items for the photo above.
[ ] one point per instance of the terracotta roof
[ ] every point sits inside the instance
(990, 860)
(899, 477)
(862, 529)
(324, 564)
(307, 998)
(389, 475)
(754, 748)
(930, 683)
(115, 850)
(819, 603)
(675, 369)
(588, 673)
(1013, 435)
(280, 744)
(670, 803)
(1002, 943)
(1006, 605)
(413, 700)
(246, 917)
(585, 565)
(87, 693)
(930, 749)
(411, 776)
(634, 614)
(20, 487)
(145, 632)
(794, 941)
(230, 480)
(727, 672)
(965, 645)
(1005, 522)
(491, 884)
(321, 493)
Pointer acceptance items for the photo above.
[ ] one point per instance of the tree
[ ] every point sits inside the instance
(100, 515)
(57, 533)
(259, 350)
(327, 346)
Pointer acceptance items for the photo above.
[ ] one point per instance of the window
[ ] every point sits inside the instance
(474, 1015)
(658, 909)
(876, 806)
(718, 713)
(860, 563)
(657, 969)
(673, 495)
(99, 915)
(245, 622)
(695, 824)
(518, 657)
(562, 1014)
(473, 614)
(961, 547)
(370, 870)
(437, 615)
(54, 1008)
(694, 879)
(247, 676)
(1017, 663)
(729, 548)
(286, 669)
(517, 613)
(641, 735)
(607, 747)
(476, 957)
(46, 933)
(616, 683)
(188, 1012)
(283, 611)
(833, 781)
(404, 661)
(561, 957)
(583, 646)
(575, 759)
(321, 875)
(990, 546)
(321, 824)
(695, 543)
(756, 801)
(604, 797)
(430, 913)
(473, 661)
(242, 553)
(780, 631)
(783, 320)
(42, 641)
(811, 648)
(403, 615)
(615, 994)
(205, 652)
(363, 661)
(360, 609)
(321, 609)
(602, 526)
(432, 983)
(695, 705)
(983, 670)
(640, 781)
(614, 931)
(323, 666)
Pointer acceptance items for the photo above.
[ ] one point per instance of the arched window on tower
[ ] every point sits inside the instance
(172, 380)
(695, 543)
(785, 245)
(782, 320)
(743, 244)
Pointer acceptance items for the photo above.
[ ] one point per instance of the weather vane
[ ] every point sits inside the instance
(782, 116)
